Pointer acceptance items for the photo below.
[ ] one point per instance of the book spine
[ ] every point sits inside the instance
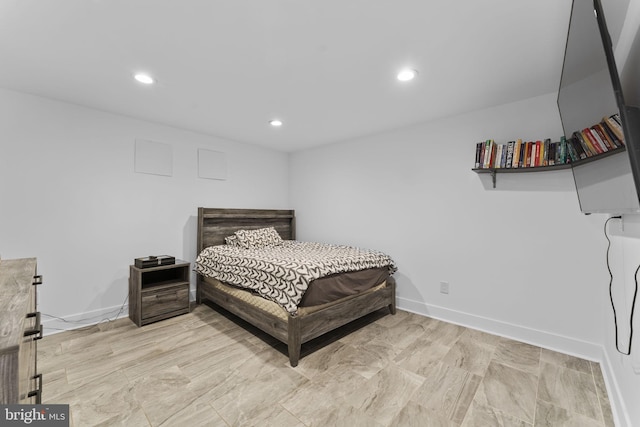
(607, 129)
(572, 153)
(587, 140)
(527, 161)
(505, 153)
(598, 139)
(517, 151)
(616, 117)
(615, 127)
(536, 156)
(577, 145)
(545, 152)
(603, 136)
(553, 154)
(585, 148)
(492, 156)
(591, 140)
(487, 153)
(509, 162)
(563, 150)
(479, 151)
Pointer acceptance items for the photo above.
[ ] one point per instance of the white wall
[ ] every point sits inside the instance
(70, 197)
(521, 259)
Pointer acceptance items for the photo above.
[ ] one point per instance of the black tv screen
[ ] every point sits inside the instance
(590, 90)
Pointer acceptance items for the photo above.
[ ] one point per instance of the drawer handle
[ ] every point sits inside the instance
(167, 297)
(37, 280)
(38, 392)
(37, 329)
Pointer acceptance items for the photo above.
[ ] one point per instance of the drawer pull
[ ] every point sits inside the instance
(169, 297)
(38, 392)
(37, 329)
(37, 280)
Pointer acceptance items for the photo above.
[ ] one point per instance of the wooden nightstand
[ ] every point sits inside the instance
(157, 293)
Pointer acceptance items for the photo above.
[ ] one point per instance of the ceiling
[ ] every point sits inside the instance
(326, 68)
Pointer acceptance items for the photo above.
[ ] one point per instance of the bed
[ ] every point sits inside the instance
(293, 329)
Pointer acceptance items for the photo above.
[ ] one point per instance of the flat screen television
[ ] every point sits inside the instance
(591, 89)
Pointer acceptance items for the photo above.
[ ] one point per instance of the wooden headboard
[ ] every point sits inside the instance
(214, 224)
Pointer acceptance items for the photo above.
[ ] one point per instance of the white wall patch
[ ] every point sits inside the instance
(212, 164)
(154, 158)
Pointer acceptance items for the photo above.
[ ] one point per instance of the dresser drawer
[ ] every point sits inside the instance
(27, 359)
(21, 328)
(158, 303)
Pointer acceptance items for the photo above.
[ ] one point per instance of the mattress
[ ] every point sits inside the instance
(256, 301)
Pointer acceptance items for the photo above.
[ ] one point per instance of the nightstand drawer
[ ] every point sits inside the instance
(156, 303)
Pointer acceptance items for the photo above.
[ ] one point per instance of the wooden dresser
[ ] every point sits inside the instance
(20, 329)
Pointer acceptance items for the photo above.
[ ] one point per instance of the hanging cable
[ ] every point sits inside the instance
(613, 306)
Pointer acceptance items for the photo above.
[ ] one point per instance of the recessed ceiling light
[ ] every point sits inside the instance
(275, 123)
(144, 78)
(407, 74)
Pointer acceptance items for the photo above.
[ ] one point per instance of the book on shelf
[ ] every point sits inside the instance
(577, 136)
(544, 161)
(498, 157)
(572, 152)
(503, 156)
(509, 162)
(591, 141)
(596, 135)
(489, 150)
(614, 124)
(517, 151)
(564, 155)
(479, 154)
(616, 117)
(602, 135)
(540, 152)
(535, 154)
(527, 155)
(580, 148)
(614, 131)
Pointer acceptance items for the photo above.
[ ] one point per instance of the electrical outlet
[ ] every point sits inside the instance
(444, 287)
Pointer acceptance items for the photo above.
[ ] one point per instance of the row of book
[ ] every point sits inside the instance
(591, 141)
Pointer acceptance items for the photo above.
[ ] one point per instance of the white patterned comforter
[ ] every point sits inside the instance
(282, 273)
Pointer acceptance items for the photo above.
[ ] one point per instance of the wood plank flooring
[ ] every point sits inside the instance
(207, 368)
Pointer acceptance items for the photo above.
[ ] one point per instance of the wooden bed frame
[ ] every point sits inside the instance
(215, 224)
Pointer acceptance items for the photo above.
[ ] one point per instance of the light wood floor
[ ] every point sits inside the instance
(203, 369)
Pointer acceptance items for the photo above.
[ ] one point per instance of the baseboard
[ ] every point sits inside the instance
(544, 339)
(616, 398)
(55, 324)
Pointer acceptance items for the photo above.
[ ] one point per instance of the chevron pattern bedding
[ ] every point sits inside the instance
(282, 273)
